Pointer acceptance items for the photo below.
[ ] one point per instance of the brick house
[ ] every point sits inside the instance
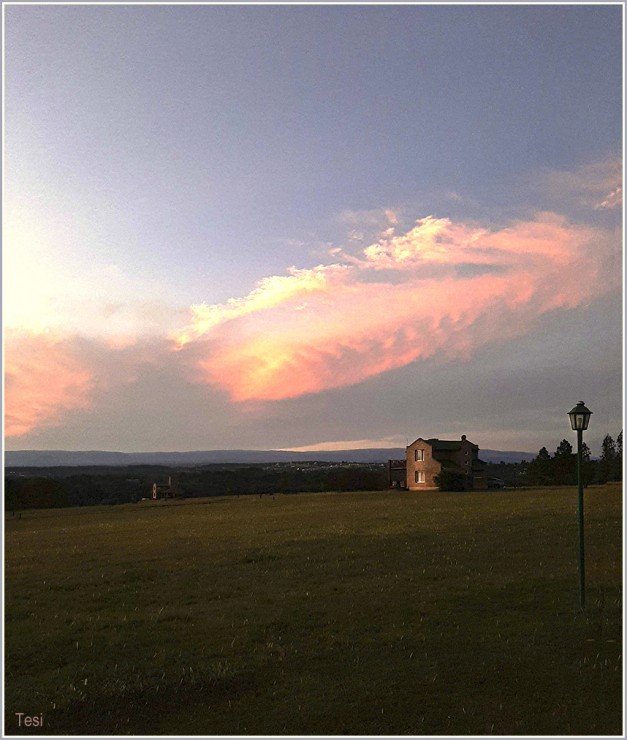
(426, 458)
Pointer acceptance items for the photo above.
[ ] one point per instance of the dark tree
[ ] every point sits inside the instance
(618, 462)
(564, 449)
(607, 464)
(539, 470)
(564, 464)
(587, 466)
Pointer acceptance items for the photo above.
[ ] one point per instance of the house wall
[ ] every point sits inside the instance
(430, 466)
(467, 453)
(476, 472)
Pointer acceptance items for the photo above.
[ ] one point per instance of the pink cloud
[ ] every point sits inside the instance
(597, 185)
(443, 288)
(50, 374)
(614, 199)
(44, 378)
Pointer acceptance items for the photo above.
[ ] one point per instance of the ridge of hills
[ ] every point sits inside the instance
(57, 458)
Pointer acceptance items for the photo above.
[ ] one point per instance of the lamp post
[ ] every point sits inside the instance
(579, 418)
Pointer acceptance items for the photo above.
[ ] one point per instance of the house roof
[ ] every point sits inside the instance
(443, 444)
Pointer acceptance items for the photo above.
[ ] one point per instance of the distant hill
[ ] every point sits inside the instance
(53, 458)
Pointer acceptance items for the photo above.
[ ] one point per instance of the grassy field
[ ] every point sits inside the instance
(355, 613)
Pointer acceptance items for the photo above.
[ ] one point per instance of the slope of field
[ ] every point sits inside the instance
(367, 613)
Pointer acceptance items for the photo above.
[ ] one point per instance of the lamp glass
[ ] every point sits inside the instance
(579, 417)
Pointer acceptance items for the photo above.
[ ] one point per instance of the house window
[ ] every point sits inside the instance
(419, 455)
(420, 476)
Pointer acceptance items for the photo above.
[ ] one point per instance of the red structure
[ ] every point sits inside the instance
(163, 490)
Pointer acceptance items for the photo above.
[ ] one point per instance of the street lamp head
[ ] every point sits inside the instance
(579, 417)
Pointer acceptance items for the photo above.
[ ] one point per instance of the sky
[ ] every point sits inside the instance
(311, 226)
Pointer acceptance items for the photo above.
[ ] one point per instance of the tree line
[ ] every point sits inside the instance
(558, 469)
(561, 467)
(55, 488)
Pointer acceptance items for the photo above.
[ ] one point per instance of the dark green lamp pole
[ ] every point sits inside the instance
(579, 418)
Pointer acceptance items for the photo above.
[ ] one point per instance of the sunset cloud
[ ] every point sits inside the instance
(597, 185)
(353, 444)
(44, 378)
(50, 374)
(271, 292)
(614, 199)
(441, 289)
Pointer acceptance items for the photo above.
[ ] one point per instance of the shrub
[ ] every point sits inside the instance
(451, 480)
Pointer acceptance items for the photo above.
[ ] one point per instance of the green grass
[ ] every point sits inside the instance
(355, 613)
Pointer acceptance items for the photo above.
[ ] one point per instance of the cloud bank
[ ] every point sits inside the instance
(51, 374)
(596, 186)
(441, 289)
(45, 376)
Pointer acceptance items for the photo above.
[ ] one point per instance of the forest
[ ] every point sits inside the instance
(27, 488)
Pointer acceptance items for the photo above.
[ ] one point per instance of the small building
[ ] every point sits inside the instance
(163, 490)
(427, 458)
